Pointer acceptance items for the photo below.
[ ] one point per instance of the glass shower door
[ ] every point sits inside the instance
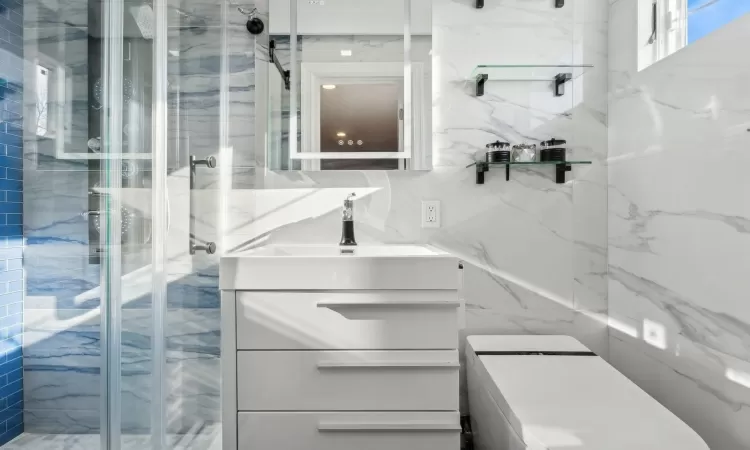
(92, 106)
(132, 221)
(121, 117)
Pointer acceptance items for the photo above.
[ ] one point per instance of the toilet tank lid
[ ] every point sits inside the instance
(526, 343)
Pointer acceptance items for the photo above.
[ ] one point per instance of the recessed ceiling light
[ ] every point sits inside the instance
(346, 53)
(329, 87)
(341, 134)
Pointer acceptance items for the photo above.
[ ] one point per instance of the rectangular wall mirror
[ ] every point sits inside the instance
(349, 85)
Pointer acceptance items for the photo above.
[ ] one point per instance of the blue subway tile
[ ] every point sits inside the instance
(14, 308)
(14, 130)
(15, 375)
(13, 352)
(12, 219)
(14, 242)
(11, 434)
(11, 366)
(11, 207)
(15, 398)
(10, 275)
(14, 196)
(15, 331)
(11, 185)
(13, 150)
(4, 311)
(13, 174)
(11, 388)
(11, 140)
(12, 297)
(15, 286)
(9, 321)
(17, 419)
(7, 161)
(11, 253)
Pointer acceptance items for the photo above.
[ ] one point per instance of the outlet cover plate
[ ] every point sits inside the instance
(431, 214)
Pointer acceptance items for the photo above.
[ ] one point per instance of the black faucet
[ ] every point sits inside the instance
(347, 222)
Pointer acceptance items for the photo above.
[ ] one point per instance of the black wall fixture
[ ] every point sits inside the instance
(255, 26)
(480, 4)
(285, 74)
(481, 79)
(560, 80)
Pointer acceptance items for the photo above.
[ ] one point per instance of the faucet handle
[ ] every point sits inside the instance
(348, 212)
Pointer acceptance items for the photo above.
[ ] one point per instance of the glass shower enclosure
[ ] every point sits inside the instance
(114, 111)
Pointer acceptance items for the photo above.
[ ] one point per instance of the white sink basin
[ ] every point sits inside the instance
(327, 251)
(331, 267)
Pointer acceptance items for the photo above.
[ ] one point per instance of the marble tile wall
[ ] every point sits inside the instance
(679, 226)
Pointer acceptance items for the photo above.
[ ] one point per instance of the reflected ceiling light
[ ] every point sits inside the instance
(346, 53)
(341, 134)
(329, 86)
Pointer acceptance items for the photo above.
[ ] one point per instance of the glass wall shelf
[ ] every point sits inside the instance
(561, 168)
(557, 74)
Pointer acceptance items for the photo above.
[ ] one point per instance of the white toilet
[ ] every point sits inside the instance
(553, 393)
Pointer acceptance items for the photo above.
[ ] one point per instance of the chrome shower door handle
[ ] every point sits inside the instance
(208, 247)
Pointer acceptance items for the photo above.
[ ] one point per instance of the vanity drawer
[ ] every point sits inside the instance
(347, 380)
(347, 431)
(347, 320)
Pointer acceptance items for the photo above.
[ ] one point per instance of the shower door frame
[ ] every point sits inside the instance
(113, 14)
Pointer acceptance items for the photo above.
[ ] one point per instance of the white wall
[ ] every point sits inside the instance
(679, 226)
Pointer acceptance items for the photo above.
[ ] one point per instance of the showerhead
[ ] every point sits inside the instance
(144, 18)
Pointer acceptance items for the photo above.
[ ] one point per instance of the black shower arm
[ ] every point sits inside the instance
(285, 74)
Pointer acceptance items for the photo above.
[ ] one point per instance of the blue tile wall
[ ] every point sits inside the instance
(11, 220)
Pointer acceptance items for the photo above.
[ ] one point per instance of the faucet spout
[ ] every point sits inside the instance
(347, 222)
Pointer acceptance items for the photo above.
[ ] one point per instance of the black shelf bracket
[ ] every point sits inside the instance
(481, 169)
(285, 74)
(480, 4)
(481, 79)
(560, 171)
(560, 80)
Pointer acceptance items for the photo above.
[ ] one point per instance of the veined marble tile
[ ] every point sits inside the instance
(695, 383)
(62, 370)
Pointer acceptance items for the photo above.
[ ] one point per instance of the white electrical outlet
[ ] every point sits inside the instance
(431, 214)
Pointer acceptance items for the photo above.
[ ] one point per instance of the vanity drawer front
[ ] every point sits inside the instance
(350, 320)
(348, 431)
(347, 380)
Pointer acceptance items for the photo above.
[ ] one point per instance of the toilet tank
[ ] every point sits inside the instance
(552, 392)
